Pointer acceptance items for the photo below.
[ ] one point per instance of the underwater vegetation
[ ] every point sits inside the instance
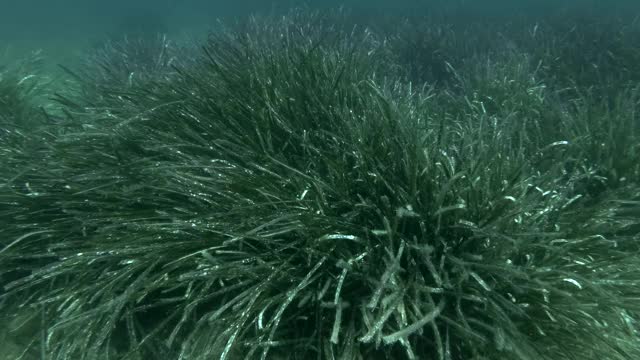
(304, 187)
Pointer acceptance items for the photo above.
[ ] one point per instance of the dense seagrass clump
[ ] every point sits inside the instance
(291, 193)
(22, 86)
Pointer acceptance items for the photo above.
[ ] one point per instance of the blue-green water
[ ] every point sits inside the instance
(54, 24)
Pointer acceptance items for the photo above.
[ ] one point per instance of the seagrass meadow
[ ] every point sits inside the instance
(327, 186)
